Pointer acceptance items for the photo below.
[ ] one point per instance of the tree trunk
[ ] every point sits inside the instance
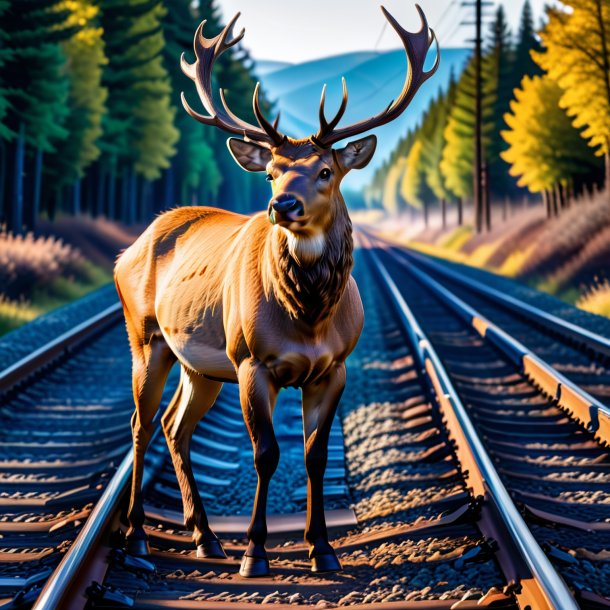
(546, 199)
(460, 211)
(89, 205)
(3, 198)
(145, 201)
(486, 197)
(168, 195)
(555, 202)
(16, 224)
(559, 195)
(444, 212)
(76, 204)
(112, 208)
(100, 197)
(425, 206)
(202, 194)
(505, 209)
(37, 186)
(132, 199)
(607, 165)
(124, 211)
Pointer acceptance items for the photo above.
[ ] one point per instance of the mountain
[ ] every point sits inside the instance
(373, 80)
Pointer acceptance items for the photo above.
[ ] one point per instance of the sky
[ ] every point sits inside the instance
(299, 30)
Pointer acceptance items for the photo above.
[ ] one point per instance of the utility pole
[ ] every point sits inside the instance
(478, 128)
(481, 201)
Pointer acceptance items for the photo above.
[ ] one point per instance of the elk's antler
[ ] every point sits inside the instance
(207, 51)
(416, 46)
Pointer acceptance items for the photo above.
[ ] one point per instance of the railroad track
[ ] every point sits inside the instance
(544, 425)
(427, 507)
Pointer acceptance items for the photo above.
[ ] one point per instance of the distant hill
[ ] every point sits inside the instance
(373, 80)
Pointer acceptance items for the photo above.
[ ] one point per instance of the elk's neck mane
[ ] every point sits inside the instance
(310, 292)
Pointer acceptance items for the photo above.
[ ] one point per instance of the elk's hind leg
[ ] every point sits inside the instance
(198, 394)
(151, 365)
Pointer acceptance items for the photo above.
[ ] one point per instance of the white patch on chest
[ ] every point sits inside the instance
(305, 249)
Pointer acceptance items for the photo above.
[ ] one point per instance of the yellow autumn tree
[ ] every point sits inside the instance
(544, 147)
(390, 199)
(413, 176)
(576, 55)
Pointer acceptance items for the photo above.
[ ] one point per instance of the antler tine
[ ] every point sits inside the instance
(225, 32)
(323, 123)
(416, 46)
(277, 121)
(326, 127)
(269, 129)
(230, 113)
(207, 51)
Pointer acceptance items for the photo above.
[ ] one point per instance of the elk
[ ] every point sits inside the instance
(267, 300)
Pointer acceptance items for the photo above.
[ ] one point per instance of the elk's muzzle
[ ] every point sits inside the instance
(285, 208)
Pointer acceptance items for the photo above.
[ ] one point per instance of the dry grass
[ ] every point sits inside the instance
(558, 256)
(97, 239)
(38, 274)
(596, 300)
(29, 262)
(564, 238)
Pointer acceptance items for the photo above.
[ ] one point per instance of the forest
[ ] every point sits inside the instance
(94, 142)
(90, 114)
(546, 122)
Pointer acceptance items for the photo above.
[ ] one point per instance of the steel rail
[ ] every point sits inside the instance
(579, 404)
(594, 340)
(536, 583)
(66, 585)
(53, 349)
(54, 592)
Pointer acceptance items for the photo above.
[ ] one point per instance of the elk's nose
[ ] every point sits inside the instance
(285, 208)
(288, 205)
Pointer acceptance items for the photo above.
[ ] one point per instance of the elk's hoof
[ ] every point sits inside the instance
(254, 567)
(325, 563)
(212, 549)
(137, 546)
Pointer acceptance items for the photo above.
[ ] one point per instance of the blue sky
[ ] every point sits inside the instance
(298, 30)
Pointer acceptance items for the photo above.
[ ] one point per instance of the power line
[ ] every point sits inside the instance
(444, 16)
(383, 29)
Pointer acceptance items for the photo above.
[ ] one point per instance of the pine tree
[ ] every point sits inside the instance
(139, 134)
(527, 41)
(498, 70)
(86, 100)
(5, 131)
(577, 57)
(37, 87)
(544, 149)
(194, 167)
(413, 188)
(391, 198)
(458, 154)
(435, 143)
(5, 55)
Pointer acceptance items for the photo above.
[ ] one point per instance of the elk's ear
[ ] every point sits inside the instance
(357, 155)
(250, 156)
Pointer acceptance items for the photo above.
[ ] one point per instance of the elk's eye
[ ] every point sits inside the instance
(269, 178)
(325, 174)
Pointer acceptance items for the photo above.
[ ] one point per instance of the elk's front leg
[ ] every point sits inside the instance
(257, 395)
(320, 402)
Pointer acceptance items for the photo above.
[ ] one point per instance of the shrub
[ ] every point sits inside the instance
(28, 263)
